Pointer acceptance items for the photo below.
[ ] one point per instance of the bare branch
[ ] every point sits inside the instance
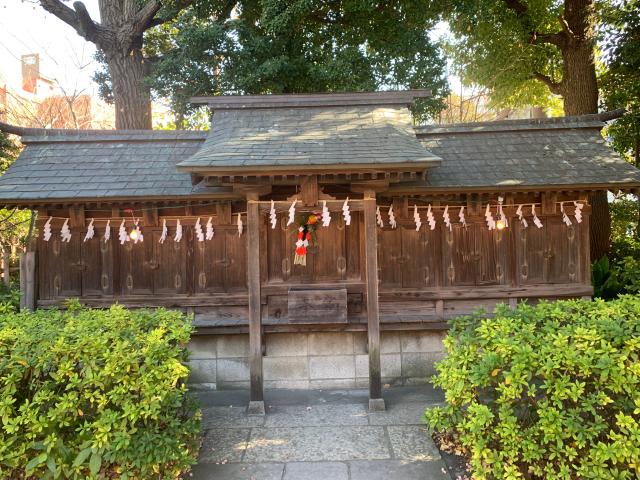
(60, 10)
(565, 27)
(555, 87)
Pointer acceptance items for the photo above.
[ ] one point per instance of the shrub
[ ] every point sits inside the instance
(610, 280)
(545, 392)
(95, 394)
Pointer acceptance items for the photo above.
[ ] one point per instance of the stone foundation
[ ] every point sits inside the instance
(314, 360)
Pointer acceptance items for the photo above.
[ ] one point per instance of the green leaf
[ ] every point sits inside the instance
(95, 463)
(82, 456)
(51, 464)
(36, 462)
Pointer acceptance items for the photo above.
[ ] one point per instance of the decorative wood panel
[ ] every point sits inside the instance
(327, 305)
(210, 264)
(333, 257)
(97, 274)
(169, 263)
(474, 255)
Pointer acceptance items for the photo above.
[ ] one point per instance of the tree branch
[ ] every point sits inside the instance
(517, 6)
(565, 27)
(555, 87)
(145, 16)
(86, 26)
(558, 39)
(64, 13)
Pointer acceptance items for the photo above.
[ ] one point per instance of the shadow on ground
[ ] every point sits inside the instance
(319, 434)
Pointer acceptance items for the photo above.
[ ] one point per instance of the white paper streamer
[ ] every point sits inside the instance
(416, 217)
(140, 237)
(46, 235)
(65, 233)
(536, 220)
(446, 218)
(488, 216)
(199, 232)
(430, 218)
(578, 212)
(90, 231)
(272, 215)
(379, 220)
(178, 236)
(210, 231)
(345, 212)
(521, 217)
(240, 225)
(292, 213)
(501, 214)
(107, 231)
(461, 217)
(565, 217)
(326, 216)
(122, 234)
(165, 231)
(392, 218)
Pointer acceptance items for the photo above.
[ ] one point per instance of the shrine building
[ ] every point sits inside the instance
(318, 241)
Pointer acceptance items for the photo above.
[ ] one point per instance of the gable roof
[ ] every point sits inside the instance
(294, 140)
(566, 151)
(86, 164)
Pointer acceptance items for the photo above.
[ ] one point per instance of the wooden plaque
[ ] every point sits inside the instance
(317, 305)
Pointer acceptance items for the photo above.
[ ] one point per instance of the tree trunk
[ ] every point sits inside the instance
(580, 95)
(132, 97)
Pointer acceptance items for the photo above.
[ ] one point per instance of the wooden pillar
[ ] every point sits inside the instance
(376, 402)
(28, 281)
(256, 399)
(6, 267)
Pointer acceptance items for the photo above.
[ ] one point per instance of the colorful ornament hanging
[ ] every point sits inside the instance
(304, 237)
(416, 218)
(165, 231)
(90, 231)
(210, 231)
(392, 218)
(136, 233)
(326, 216)
(379, 217)
(502, 218)
(578, 211)
(488, 216)
(430, 218)
(46, 235)
(199, 232)
(122, 233)
(292, 213)
(107, 231)
(446, 218)
(565, 217)
(240, 225)
(178, 236)
(346, 213)
(461, 217)
(272, 215)
(65, 233)
(536, 220)
(523, 220)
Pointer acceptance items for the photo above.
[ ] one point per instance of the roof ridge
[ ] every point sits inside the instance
(595, 120)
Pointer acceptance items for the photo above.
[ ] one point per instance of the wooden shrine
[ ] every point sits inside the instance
(426, 223)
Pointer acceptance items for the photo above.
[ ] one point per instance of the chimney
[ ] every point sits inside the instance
(30, 72)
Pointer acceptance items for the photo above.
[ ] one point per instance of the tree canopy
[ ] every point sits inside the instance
(277, 46)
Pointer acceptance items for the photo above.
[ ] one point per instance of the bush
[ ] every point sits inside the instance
(95, 394)
(545, 392)
(610, 280)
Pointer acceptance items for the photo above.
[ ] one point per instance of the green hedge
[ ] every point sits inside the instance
(95, 394)
(545, 392)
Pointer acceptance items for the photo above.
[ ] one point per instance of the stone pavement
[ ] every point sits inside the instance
(327, 435)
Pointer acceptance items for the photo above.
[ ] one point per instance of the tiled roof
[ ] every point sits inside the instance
(532, 152)
(98, 164)
(306, 138)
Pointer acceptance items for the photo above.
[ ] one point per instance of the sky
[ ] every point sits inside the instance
(65, 57)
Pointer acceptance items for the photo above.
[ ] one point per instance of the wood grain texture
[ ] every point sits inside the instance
(312, 305)
(373, 320)
(253, 282)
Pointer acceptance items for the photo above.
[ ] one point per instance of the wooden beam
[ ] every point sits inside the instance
(150, 217)
(223, 212)
(376, 402)
(28, 281)
(309, 190)
(256, 398)
(76, 216)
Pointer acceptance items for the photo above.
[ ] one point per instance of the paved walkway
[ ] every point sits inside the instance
(327, 435)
